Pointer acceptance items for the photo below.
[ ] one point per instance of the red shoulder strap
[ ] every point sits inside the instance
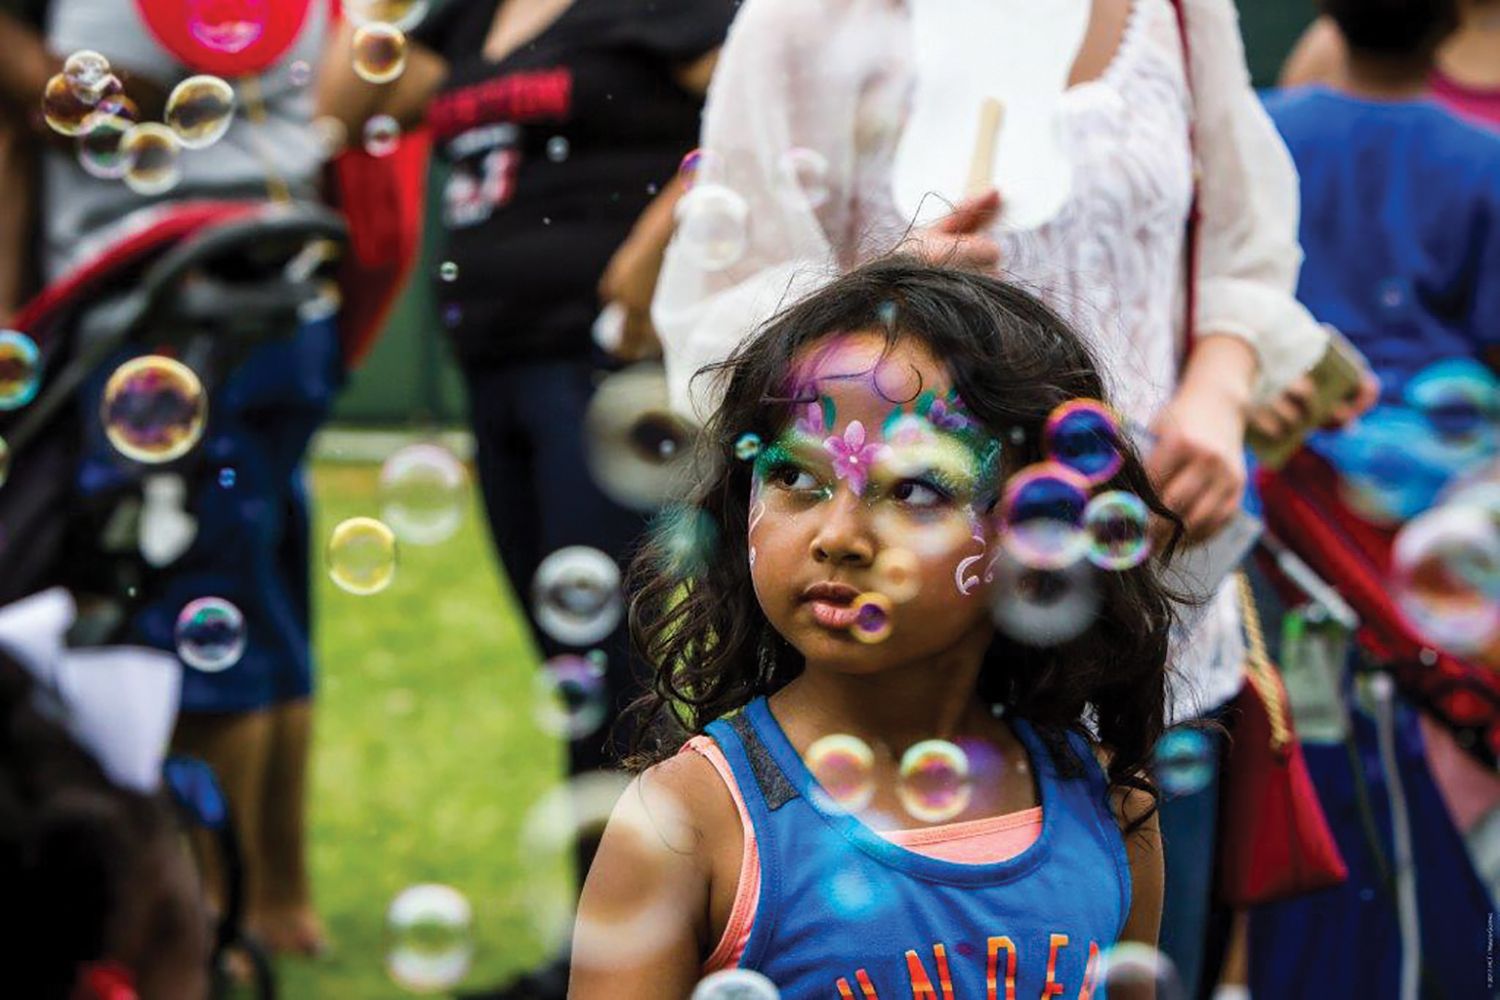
(1194, 211)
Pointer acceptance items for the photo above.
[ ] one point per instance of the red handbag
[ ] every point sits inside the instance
(1274, 840)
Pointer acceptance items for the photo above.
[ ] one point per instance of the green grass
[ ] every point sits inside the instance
(426, 758)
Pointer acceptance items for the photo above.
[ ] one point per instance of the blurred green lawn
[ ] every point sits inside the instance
(426, 758)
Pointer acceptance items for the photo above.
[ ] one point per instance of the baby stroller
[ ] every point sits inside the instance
(205, 283)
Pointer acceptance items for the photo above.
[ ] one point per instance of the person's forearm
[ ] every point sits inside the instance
(15, 215)
(26, 68)
(1221, 367)
(653, 230)
(343, 95)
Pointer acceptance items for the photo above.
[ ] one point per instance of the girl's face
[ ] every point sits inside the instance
(870, 533)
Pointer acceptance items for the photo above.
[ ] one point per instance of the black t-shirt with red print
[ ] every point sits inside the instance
(553, 153)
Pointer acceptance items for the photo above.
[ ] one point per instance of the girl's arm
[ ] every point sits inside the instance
(1147, 871)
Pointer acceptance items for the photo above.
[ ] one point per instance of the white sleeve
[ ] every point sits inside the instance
(1249, 255)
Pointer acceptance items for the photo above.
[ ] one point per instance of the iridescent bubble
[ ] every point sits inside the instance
(88, 74)
(698, 165)
(300, 73)
(747, 447)
(639, 450)
(99, 151)
(382, 135)
(210, 634)
(200, 110)
(576, 595)
(1084, 435)
(20, 369)
(404, 14)
(1460, 399)
(736, 984)
(226, 478)
(687, 539)
(898, 571)
(934, 786)
(1043, 607)
(448, 271)
(1117, 523)
(361, 556)
(1183, 761)
(1130, 969)
(152, 154)
(429, 938)
(558, 148)
(154, 409)
(227, 26)
(1445, 566)
(804, 177)
(423, 489)
(872, 618)
(1042, 516)
(571, 697)
(845, 769)
(379, 52)
(64, 111)
(713, 225)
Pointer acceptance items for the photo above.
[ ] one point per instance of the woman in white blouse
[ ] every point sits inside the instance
(835, 77)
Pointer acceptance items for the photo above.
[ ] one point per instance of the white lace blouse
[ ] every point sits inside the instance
(834, 77)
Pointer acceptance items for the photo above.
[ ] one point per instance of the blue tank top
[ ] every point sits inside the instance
(844, 912)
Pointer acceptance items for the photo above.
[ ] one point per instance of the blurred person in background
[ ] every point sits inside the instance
(561, 124)
(253, 722)
(1465, 76)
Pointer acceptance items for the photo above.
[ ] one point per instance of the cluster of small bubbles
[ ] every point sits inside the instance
(1117, 524)
(736, 984)
(152, 158)
(571, 696)
(227, 27)
(88, 75)
(404, 14)
(381, 135)
(64, 111)
(576, 595)
(1042, 608)
(639, 451)
(1131, 969)
(154, 409)
(300, 73)
(99, 150)
(422, 492)
(872, 618)
(199, 110)
(429, 938)
(558, 148)
(844, 767)
(20, 369)
(747, 447)
(210, 634)
(1084, 435)
(227, 477)
(804, 177)
(1042, 516)
(379, 52)
(1446, 573)
(898, 571)
(713, 224)
(1183, 761)
(934, 785)
(361, 556)
(448, 271)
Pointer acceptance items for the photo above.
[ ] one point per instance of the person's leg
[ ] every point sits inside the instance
(1189, 828)
(284, 917)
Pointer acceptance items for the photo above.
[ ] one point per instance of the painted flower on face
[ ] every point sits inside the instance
(853, 456)
(949, 418)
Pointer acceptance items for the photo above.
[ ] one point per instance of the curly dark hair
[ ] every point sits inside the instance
(697, 622)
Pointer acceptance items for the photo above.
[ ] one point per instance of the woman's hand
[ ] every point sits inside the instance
(960, 239)
(629, 282)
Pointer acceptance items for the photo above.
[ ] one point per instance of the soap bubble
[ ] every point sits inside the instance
(152, 155)
(571, 696)
(1130, 969)
(200, 110)
(448, 271)
(639, 450)
(558, 148)
(1183, 761)
(404, 14)
(1446, 569)
(747, 447)
(1043, 607)
(20, 369)
(382, 135)
(88, 75)
(845, 769)
(99, 151)
(804, 177)
(154, 409)
(422, 492)
(429, 944)
(576, 595)
(713, 225)
(331, 135)
(1391, 464)
(934, 786)
(362, 556)
(379, 52)
(872, 618)
(210, 634)
(227, 26)
(1084, 435)
(1460, 398)
(898, 572)
(299, 73)
(698, 165)
(226, 478)
(1117, 523)
(64, 111)
(1042, 516)
(686, 538)
(736, 984)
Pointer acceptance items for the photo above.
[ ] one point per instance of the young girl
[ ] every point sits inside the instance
(837, 625)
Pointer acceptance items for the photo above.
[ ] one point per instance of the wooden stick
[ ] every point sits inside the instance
(982, 163)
